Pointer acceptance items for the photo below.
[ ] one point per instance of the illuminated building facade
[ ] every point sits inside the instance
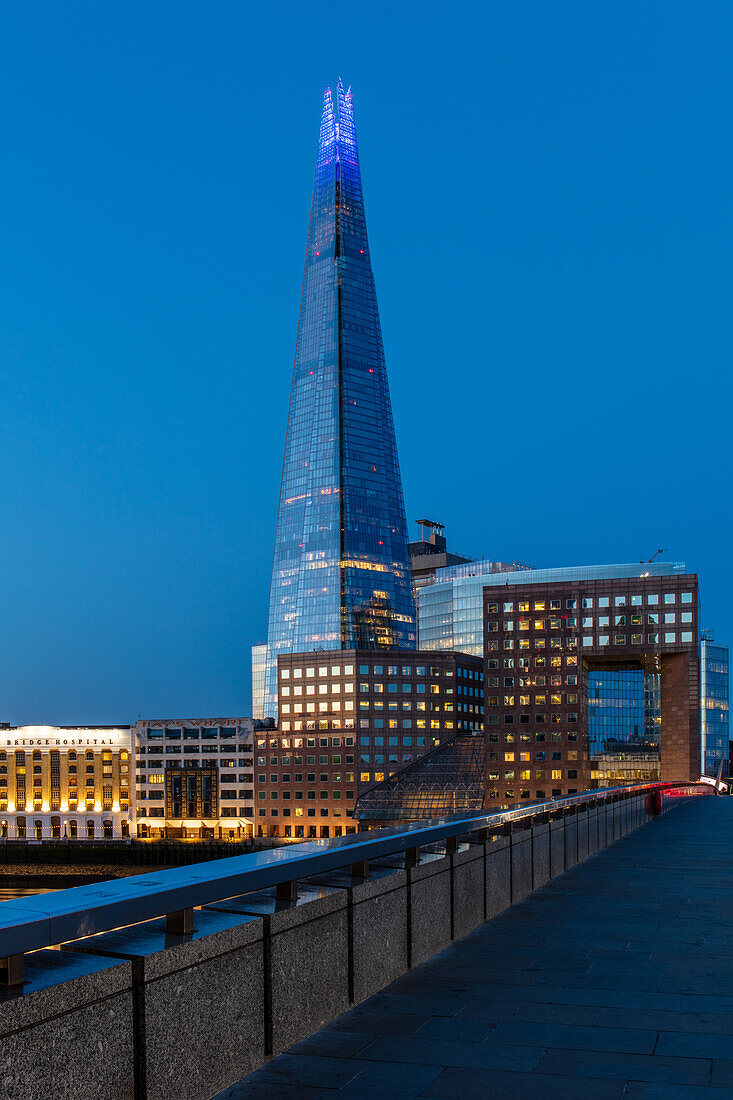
(451, 609)
(590, 683)
(193, 778)
(65, 781)
(714, 703)
(341, 572)
(348, 720)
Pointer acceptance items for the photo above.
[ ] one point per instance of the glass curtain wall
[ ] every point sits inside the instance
(624, 725)
(340, 574)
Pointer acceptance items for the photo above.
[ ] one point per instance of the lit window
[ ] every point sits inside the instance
(686, 636)
(669, 616)
(670, 636)
(686, 597)
(652, 599)
(587, 639)
(669, 597)
(603, 639)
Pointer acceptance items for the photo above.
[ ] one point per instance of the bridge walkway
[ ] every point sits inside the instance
(613, 981)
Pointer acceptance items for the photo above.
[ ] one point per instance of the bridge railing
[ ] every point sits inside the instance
(208, 969)
(50, 919)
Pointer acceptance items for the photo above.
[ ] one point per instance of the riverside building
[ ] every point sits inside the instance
(591, 683)
(70, 782)
(591, 680)
(350, 719)
(341, 571)
(194, 777)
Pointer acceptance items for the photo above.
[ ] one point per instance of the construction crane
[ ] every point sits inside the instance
(645, 561)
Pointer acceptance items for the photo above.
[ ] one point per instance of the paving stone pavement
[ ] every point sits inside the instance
(614, 981)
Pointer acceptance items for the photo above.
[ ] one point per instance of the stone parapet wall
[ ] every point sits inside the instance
(147, 1013)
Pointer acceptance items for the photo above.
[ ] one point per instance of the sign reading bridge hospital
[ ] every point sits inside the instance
(47, 738)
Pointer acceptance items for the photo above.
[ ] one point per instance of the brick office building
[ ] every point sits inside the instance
(349, 719)
(590, 683)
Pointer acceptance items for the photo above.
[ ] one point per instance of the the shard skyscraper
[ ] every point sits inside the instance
(340, 573)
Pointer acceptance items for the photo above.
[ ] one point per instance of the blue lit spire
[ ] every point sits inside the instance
(340, 575)
(327, 138)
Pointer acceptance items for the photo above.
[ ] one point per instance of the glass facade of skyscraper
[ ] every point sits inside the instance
(714, 703)
(340, 576)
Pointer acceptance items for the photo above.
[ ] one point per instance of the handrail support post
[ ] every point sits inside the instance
(179, 922)
(287, 891)
(12, 970)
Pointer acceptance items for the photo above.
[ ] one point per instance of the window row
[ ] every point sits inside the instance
(508, 607)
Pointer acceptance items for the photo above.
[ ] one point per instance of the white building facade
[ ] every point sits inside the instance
(66, 782)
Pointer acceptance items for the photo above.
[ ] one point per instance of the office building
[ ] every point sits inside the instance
(450, 610)
(590, 683)
(69, 782)
(714, 703)
(341, 572)
(194, 777)
(591, 680)
(349, 719)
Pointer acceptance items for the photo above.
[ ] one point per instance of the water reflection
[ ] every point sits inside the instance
(7, 893)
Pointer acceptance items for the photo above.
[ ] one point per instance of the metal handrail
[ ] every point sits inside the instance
(47, 920)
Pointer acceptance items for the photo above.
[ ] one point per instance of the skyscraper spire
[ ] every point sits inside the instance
(341, 575)
(327, 137)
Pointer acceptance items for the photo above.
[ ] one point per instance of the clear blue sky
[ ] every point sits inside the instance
(548, 194)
